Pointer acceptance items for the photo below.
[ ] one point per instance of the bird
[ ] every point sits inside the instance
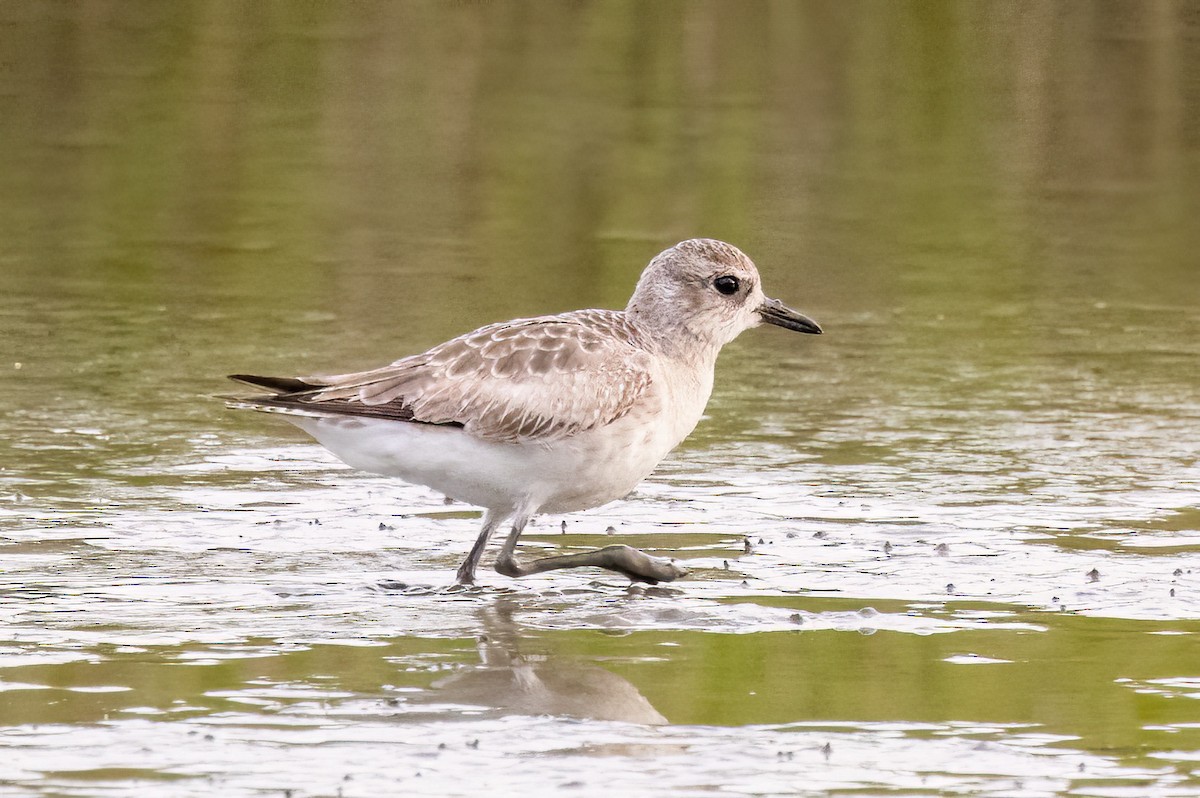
(549, 414)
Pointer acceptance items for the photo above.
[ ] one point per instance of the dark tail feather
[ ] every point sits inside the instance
(296, 396)
(280, 385)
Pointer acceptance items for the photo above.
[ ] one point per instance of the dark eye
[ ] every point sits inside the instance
(727, 284)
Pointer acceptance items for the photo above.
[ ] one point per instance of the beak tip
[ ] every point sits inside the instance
(775, 312)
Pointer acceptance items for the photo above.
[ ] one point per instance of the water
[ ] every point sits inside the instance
(972, 506)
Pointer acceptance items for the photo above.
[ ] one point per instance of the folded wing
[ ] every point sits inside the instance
(539, 379)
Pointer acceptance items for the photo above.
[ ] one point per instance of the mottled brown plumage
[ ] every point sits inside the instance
(538, 379)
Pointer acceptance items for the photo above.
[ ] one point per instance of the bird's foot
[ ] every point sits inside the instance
(465, 577)
(640, 566)
(635, 564)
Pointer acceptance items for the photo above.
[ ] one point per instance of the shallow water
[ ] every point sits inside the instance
(951, 547)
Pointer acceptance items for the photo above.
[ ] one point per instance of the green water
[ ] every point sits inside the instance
(973, 505)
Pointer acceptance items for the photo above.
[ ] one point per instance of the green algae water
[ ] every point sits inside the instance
(951, 547)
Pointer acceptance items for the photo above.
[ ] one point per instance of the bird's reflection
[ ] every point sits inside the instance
(539, 684)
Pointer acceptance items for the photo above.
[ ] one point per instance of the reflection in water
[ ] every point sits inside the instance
(537, 684)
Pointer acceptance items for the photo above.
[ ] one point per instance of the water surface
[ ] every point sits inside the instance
(951, 547)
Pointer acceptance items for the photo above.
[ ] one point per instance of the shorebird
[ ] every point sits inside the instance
(548, 414)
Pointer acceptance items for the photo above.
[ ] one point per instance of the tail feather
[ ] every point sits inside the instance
(280, 385)
(298, 396)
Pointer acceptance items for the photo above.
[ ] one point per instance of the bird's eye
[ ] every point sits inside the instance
(727, 284)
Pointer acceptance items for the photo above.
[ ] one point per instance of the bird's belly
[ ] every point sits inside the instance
(585, 470)
(604, 465)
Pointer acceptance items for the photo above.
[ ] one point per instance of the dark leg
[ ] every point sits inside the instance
(466, 571)
(637, 565)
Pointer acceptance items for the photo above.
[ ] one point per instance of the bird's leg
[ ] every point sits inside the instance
(637, 565)
(506, 560)
(466, 571)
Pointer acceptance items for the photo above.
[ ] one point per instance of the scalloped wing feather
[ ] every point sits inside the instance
(539, 379)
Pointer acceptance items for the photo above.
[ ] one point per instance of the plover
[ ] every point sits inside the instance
(549, 414)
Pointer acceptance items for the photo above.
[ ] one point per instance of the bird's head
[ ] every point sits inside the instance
(708, 290)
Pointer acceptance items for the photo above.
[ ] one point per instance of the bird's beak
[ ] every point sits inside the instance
(775, 312)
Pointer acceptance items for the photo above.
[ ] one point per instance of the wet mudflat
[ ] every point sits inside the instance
(951, 547)
(248, 615)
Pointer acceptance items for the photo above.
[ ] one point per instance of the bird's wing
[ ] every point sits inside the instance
(537, 379)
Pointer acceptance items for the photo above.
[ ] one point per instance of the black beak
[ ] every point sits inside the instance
(775, 312)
